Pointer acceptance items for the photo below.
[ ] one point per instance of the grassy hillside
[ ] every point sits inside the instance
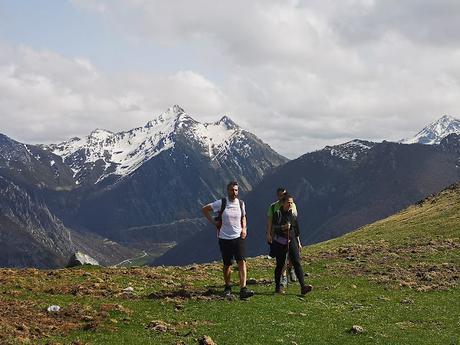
(397, 279)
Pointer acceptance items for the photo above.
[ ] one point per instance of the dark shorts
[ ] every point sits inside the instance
(232, 249)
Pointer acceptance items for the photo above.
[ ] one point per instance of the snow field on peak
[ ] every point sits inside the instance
(215, 137)
(436, 131)
(124, 152)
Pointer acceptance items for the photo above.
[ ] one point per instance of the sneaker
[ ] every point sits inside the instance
(280, 291)
(245, 293)
(228, 292)
(292, 276)
(305, 289)
(284, 281)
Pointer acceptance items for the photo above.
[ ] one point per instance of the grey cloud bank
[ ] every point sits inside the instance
(299, 74)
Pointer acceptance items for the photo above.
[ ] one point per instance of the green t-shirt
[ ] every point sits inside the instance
(276, 206)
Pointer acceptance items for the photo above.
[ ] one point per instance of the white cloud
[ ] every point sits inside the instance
(45, 97)
(299, 74)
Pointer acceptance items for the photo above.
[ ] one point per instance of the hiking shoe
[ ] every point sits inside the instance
(279, 291)
(284, 281)
(245, 293)
(228, 292)
(292, 276)
(306, 289)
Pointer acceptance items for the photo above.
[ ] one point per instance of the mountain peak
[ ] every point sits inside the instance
(175, 109)
(228, 122)
(101, 134)
(174, 114)
(435, 131)
(447, 118)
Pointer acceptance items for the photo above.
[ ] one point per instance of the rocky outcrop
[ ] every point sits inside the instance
(80, 259)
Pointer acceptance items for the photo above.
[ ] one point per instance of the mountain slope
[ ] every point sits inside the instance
(137, 183)
(397, 279)
(173, 166)
(436, 131)
(32, 166)
(335, 193)
(31, 236)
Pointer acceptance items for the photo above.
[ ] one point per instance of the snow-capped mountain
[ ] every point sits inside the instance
(137, 181)
(120, 154)
(158, 173)
(436, 131)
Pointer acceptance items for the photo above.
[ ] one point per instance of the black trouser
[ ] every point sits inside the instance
(280, 252)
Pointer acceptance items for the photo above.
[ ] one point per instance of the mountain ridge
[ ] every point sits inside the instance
(123, 152)
(335, 194)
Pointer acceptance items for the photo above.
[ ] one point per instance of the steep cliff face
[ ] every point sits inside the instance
(32, 166)
(31, 236)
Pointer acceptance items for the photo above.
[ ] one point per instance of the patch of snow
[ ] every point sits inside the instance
(350, 150)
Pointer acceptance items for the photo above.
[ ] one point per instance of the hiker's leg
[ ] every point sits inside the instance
(280, 255)
(239, 251)
(295, 260)
(227, 274)
(242, 273)
(226, 251)
(283, 272)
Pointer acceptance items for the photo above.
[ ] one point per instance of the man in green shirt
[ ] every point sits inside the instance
(280, 193)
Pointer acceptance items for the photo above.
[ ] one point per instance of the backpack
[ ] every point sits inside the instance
(218, 218)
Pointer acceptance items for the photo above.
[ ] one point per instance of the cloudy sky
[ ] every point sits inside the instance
(298, 74)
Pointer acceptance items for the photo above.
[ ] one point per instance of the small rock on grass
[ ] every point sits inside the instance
(158, 326)
(407, 301)
(252, 281)
(357, 329)
(206, 340)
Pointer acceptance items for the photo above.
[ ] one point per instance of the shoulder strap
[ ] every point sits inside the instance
(277, 216)
(223, 206)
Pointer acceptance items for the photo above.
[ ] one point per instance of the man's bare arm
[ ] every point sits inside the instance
(243, 226)
(207, 210)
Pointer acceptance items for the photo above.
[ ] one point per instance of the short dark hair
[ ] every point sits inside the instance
(286, 197)
(231, 184)
(280, 190)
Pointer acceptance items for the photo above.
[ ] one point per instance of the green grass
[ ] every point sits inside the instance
(397, 278)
